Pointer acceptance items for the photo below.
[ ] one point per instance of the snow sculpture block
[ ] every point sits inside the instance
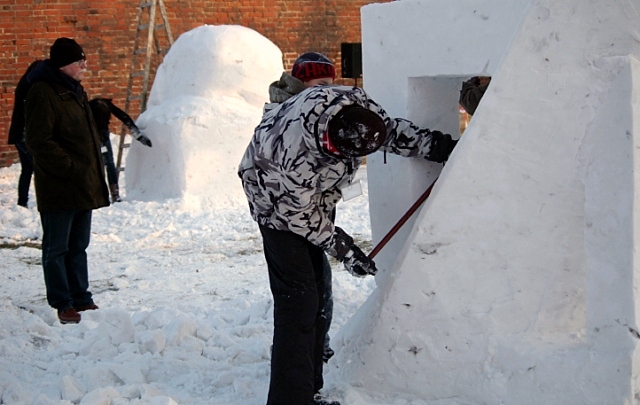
(416, 54)
(518, 282)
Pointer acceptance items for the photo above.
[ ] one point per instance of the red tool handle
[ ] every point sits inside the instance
(402, 220)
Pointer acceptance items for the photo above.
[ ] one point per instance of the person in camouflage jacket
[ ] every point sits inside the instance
(309, 69)
(303, 155)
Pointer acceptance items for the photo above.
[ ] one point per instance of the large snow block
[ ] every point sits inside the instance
(610, 159)
(200, 127)
(518, 283)
(414, 62)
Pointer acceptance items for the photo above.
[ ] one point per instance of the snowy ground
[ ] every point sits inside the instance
(185, 309)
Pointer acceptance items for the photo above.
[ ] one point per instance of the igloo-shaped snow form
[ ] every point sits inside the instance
(206, 99)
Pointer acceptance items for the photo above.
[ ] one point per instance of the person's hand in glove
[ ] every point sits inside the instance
(135, 132)
(441, 147)
(340, 244)
(355, 261)
(358, 264)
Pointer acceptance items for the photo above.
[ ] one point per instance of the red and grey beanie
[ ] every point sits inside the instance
(65, 51)
(313, 65)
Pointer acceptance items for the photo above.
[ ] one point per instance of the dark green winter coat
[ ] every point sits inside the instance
(471, 94)
(62, 137)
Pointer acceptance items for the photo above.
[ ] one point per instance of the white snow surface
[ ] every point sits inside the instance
(185, 309)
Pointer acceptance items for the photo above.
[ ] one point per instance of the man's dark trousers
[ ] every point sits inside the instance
(296, 277)
(65, 239)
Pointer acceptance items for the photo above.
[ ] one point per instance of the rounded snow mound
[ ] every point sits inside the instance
(205, 102)
(224, 59)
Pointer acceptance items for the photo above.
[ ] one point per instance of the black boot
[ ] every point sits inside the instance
(327, 354)
(325, 402)
(318, 400)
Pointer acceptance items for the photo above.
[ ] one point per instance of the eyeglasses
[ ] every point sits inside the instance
(81, 63)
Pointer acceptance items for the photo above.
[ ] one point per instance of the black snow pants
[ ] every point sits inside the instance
(296, 279)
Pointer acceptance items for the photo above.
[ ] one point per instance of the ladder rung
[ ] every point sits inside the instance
(147, 23)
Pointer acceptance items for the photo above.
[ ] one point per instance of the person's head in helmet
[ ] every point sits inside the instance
(355, 131)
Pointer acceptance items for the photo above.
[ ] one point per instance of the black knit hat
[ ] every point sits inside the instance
(312, 65)
(356, 131)
(65, 51)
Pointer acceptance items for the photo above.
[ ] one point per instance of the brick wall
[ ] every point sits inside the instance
(106, 31)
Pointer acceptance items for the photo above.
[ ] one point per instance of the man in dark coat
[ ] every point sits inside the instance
(69, 177)
(102, 109)
(16, 136)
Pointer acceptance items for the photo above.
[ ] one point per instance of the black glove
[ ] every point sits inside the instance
(144, 140)
(358, 264)
(441, 147)
(340, 245)
(135, 132)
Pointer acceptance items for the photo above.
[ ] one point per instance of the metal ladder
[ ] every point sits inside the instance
(139, 79)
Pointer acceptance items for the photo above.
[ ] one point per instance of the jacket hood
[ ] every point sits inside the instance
(45, 72)
(285, 88)
(326, 102)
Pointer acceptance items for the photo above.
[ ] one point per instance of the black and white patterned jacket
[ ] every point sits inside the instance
(291, 182)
